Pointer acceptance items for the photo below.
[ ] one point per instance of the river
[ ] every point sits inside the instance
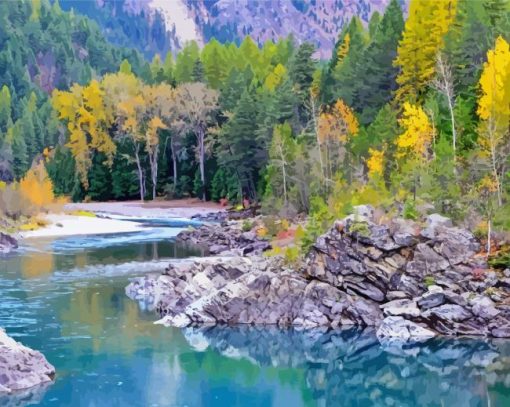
(65, 297)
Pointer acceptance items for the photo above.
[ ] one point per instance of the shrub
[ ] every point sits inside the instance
(360, 229)
(429, 280)
(410, 211)
(247, 226)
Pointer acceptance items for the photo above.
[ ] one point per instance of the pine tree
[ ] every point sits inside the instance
(185, 62)
(197, 75)
(215, 63)
(5, 109)
(375, 70)
(239, 151)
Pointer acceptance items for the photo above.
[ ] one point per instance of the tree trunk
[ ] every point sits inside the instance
(153, 161)
(494, 164)
(201, 147)
(454, 133)
(174, 162)
(140, 172)
(489, 232)
(317, 134)
(284, 174)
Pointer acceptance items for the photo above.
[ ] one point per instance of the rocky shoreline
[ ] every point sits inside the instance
(7, 243)
(405, 279)
(22, 368)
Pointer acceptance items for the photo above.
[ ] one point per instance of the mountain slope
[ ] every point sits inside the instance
(157, 26)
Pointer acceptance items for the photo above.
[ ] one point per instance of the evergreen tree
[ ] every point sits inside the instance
(198, 72)
(376, 68)
(239, 152)
(5, 109)
(215, 63)
(185, 62)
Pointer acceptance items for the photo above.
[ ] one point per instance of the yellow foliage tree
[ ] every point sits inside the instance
(494, 112)
(343, 49)
(275, 77)
(334, 129)
(88, 121)
(36, 187)
(375, 163)
(418, 132)
(423, 38)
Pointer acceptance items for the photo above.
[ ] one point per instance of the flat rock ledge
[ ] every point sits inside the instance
(407, 280)
(21, 367)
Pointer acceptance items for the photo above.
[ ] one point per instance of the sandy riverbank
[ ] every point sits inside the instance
(71, 225)
(68, 224)
(179, 208)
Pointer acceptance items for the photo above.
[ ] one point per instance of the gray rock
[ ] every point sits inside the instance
(483, 307)
(501, 332)
(398, 328)
(366, 211)
(431, 300)
(405, 308)
(7, 243)
(21, 367)
(426, 261)
(448, 312)
(435, 222)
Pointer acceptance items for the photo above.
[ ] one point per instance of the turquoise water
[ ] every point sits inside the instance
(65, 297)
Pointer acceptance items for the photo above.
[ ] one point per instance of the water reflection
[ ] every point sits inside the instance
(66, 298)
(350, 367)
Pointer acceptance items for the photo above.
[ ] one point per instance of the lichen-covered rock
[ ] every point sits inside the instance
(21, 367)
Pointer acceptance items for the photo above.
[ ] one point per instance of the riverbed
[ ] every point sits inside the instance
(65, 297)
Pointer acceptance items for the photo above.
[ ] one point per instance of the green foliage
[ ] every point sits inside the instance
(247, 226)
(359, 229)
(429, 280)
(409, 211)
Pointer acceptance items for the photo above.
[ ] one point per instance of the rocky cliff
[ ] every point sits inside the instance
(406, 279)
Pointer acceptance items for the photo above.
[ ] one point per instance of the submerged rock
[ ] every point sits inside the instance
(21, 367)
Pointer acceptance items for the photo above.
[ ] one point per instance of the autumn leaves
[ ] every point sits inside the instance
(121, 106)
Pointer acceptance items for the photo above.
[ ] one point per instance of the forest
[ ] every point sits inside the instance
(410, 112)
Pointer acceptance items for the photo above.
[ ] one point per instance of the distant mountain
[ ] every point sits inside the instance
(158, 26)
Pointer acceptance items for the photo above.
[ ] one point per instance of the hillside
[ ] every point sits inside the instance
(157, 26)
(43, 48)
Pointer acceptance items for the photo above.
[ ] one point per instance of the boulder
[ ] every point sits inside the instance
(405, 308)
(396, 327)
(7, 243)
(21, 367)
(448, 313)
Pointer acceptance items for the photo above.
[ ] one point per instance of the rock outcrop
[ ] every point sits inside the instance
(21, 367)
(225, 239)
(407, 280)
(7, 243)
